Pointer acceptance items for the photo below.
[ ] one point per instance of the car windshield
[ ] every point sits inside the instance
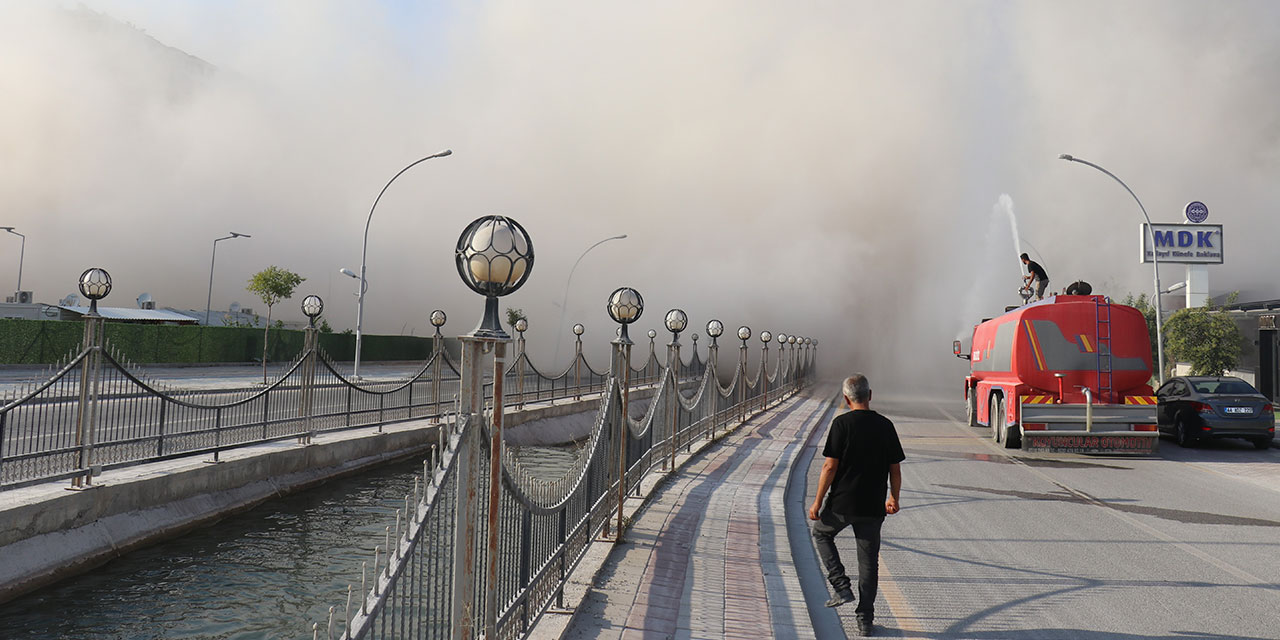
(1223, 386)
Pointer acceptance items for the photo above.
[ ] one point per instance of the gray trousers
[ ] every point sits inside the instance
(866, 532)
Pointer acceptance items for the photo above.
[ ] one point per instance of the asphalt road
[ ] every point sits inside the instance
(994, 544)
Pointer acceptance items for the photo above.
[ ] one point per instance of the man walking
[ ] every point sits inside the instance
(862, 457)
(1036, 274)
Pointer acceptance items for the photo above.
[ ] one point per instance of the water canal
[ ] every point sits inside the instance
(267, 573)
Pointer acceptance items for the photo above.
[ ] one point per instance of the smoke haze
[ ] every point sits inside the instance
(830, 169)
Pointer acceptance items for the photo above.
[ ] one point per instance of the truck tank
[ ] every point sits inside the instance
(1066, 335)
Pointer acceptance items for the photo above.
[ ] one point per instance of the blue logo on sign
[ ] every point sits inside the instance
(1196, 212)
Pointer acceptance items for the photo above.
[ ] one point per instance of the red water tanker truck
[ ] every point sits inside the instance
(1068, 374)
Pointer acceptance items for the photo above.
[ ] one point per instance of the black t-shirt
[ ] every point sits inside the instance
(865, 443)
(1036, 270)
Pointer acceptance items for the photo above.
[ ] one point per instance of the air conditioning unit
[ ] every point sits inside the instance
(24, 297)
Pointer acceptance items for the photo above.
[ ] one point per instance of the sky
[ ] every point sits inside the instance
(848, 171)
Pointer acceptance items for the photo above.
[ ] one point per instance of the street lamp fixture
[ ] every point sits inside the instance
(208, 303)
(715, 329)
(578, 329)
(744, 334)
(1155, 260)
(364, 252)
(676, 322)
(311, 307)
(95, 284)
(522, 325)
(22, 254)
(494, 258)
(625, 307)
(765, 337)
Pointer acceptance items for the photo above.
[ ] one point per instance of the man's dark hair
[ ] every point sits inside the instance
(1024, 257)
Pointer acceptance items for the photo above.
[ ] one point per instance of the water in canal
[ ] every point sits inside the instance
(269, 572)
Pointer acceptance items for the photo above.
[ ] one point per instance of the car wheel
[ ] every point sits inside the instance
(1180, 432)
(1262, 443)
(997, 418)
(971, 407)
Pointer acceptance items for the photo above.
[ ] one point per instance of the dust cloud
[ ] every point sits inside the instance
(830, 170)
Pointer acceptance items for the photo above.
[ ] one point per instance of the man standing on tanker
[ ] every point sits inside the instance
(1035, 273)
(863, 455)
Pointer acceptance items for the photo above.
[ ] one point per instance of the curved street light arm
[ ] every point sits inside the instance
(565, 300)
(1155, 260)
(364, 252)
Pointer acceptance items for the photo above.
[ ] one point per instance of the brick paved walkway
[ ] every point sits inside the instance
(709, 556)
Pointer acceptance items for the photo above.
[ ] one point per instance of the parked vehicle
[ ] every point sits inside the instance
(1192, 408)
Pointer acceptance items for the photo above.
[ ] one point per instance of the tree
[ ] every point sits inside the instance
(1206, 337)
(1143, 304)
(515, 314)
(272, 285)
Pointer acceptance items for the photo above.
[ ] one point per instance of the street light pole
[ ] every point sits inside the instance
(565, 300)
(364, 251)
(1155, 260)
(21, 255)
(208, 304)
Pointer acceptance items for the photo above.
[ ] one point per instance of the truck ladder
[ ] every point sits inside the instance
(1103, 317)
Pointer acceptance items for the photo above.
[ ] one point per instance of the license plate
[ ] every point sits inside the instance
(1237, 410)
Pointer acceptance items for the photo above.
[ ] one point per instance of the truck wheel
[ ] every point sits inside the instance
(996, 414)
(1180, 434)
(1011, 436)
(971, 407)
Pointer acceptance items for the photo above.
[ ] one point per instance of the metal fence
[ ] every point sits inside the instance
(432, 576)
(96, 411)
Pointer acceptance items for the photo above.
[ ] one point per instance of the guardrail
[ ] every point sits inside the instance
(432, 576)
(95, 411)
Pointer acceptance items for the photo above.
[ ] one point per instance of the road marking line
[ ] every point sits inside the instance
(1152, 531)
(902, 612)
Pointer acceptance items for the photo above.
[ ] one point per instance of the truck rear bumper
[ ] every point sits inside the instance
(1108, 442)
(1078, 428)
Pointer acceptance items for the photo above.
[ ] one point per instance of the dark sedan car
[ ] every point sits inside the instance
(1196, 407)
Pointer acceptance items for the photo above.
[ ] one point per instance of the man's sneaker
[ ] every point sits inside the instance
(840, 598)
(866, 629)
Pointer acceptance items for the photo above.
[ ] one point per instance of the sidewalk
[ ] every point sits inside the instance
(710, 556)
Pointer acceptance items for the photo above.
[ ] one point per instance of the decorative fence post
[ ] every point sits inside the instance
(494, 257)
(715, 329)
(765, 337)
(676, 321)
(312, 306)
(625, 306)
(95, 284)
(438, 318)
(744, 334)
(522, 325)
(467, 513)
(577, 360)
(653, 357)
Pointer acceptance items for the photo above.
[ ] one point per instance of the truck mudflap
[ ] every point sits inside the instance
(1082, 428)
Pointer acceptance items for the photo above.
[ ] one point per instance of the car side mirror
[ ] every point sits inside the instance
(957, 348)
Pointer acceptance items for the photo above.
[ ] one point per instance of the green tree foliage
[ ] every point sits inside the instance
(272, 285)
(1206, 337)
(515, 314)
(1143, 304)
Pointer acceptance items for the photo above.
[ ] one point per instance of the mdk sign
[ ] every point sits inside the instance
(1184, 243)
